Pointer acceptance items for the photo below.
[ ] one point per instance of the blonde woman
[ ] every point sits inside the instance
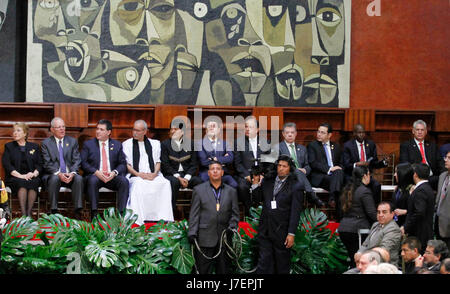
(23, 164)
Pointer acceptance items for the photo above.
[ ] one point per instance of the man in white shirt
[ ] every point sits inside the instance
(61, 162)
(150, 193)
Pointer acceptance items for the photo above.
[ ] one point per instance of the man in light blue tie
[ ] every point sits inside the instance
(326, 167)
(61, 164)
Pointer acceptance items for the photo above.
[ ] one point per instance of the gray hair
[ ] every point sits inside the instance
(290, 125)
(141, 121)
(419, 122)
(439, 248)
(382, 268)
(52, 123)
(373, 256)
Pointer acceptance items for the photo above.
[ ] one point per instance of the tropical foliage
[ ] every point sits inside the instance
(113, 244)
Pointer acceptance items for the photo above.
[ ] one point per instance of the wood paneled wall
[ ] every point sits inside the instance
(386, 128)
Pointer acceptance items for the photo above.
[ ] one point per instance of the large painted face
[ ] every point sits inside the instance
(230, 34)
(319, 42)
(277, 23)
(3, 7)
(155, 33)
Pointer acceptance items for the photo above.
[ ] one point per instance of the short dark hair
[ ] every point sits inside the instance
(422, 170)
(107, 123)
(391, 205)
(328, 126)
(288, 159)
(413, 243)
(214, 162)
(439, 248)
(405, 174)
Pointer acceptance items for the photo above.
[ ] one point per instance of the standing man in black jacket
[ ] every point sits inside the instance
(419, 218)
(282, 200)
(325, 161)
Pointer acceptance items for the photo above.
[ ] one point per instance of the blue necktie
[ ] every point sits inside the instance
(62, 163)
(330, 162)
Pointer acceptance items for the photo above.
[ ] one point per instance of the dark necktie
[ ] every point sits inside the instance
(62, 163)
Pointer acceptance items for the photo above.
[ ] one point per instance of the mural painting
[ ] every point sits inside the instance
(191, 52)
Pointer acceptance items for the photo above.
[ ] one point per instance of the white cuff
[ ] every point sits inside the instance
(188, 177)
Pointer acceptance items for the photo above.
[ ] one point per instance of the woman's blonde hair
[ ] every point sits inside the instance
(24, 127)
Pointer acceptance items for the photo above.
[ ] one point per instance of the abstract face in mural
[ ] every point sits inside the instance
(319, 42)
(3, 7)
(156, 31)
(278, 34)
(230, 34)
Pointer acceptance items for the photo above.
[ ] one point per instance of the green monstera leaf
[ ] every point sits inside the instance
(103, 255)
(182, 260)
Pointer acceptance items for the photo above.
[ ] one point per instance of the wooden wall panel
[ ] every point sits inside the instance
(366, 117)
(75, 115)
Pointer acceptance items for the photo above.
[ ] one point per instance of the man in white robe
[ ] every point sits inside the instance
(150, 193)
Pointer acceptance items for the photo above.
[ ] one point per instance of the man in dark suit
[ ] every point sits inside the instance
(61, 164)
(282, 200)
(362, 152)
(214, 208)
(104, 165)
(299, 156)
(212, 148)
(419, 219)
(179, 162)
(443, 204)
(419, 150)
(326, 167)
(246, 156)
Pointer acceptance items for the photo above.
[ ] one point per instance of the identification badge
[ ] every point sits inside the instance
(273, 204)
(217, 206)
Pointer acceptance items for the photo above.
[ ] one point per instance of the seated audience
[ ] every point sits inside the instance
(150, 193)
(410, 252)
(212, 148)
(326, 167)
(419, 150)
(368, 258)
(62, 161)
(384, 233)
(179, 162)
(358, 210)
(22, 162)
(104, 165)
(383, 269)
(419, 219)
(435, 252)
(404, 178)
(445, 267)
(362, 152)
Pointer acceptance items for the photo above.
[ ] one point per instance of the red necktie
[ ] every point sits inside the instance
(104, 158)
(422, 153)
(363, 157)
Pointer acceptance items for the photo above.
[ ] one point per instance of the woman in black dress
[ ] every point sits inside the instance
(23, 164)
(404, 178)
(358, 208)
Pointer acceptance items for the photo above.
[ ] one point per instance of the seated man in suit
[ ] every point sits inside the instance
(419, 217)
(247, 155)
(212, 148)
(282, 200)
(326, 167)
(104, 165)
(299, 156)
(419, 150)
(214, 209)
(62, 161)
(179, 162)
(384, 233)
(362, 152)
(150, 193)
(410, 252)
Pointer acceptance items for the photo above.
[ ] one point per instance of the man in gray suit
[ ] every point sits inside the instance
(443, 204)
(384, 233)
(61, 164)
(214, 208)
(299, 156)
